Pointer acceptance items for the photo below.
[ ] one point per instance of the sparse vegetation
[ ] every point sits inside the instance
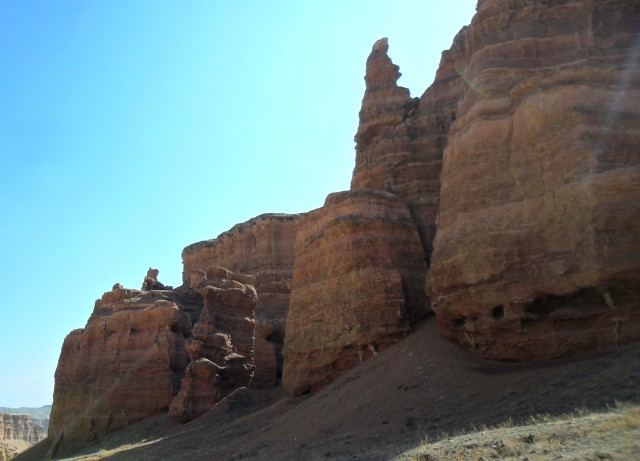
(613, 434)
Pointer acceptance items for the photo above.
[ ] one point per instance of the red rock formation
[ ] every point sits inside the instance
(221, 350)
(263, 247)
(199, 391)
(125, 365)
(538, 241)
(400, 140)
(357, 283)
(20, 427)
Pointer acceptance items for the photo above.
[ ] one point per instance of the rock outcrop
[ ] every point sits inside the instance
(125, 365)
(18, 432)
(357, 285)
(20, 427)
(221, 350)
(130, 359)
(538, 241)
(400, 140)
(262, 247)
(521, 159)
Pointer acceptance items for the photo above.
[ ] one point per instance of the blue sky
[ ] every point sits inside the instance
(130, 129)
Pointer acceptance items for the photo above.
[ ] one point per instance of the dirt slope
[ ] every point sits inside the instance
(419, 387)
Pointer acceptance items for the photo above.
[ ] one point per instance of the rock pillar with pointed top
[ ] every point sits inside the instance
(385, 105)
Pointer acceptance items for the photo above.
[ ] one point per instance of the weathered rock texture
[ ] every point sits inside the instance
(125, 365)
(17, 433)
(20, 427)
(537, 252)
(357, 284)
(262, 247)
(400, 140)
(221, 350)
(523, 154)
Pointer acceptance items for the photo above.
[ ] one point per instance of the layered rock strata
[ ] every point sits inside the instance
(400, 140)
(20, 427)
(125, 365)
(357, 284)
(537, 252)
(262, 247)
(221, 349)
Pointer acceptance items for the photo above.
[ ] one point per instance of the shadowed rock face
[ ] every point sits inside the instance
(538, 241)
(221, 350)
(357, 284)
(262, 247)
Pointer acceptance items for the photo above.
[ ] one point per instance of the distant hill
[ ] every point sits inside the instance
(36, 413)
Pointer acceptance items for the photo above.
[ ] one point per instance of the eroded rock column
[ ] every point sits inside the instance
(357, 284)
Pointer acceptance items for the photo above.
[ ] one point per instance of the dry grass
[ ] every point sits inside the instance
(610, 435)
(10, 448)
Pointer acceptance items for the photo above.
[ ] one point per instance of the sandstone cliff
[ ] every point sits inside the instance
(357, 284)
(20, 427)
(141, 347)
(538, 241)
(262, 247)
(507, 193)
(221, 349)
(18, 432)
(125, 365)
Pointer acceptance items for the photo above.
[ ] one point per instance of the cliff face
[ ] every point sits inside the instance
(18, 432)
(129, 361)
(221, 349)
(262, 247)
(510, 186)
(20, 427)
(125, 365)
(357, 284)
(536, 253)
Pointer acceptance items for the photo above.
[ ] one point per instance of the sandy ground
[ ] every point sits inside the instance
(415, 390)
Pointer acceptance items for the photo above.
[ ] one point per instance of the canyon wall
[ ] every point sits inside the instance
(18, 432)
(505, 199)
(357, 285)
(538, 242)
(262, 247)
(221, 348)
(20, 427)
(151, 350)
(125, 365)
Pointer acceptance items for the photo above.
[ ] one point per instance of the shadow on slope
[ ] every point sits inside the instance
(420, 387)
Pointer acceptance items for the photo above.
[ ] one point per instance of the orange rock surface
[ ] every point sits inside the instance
(20, 427)
(125, 365)
(262, 247)
(538, 241)
(357, 284)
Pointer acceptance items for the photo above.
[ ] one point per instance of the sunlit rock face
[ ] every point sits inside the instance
(125, 365)
(20, 427)
(262, 247)
(537, 251)
(357, 285)
(17, 433)
(400, 140)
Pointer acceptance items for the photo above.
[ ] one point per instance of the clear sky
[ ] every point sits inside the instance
(130, 129)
